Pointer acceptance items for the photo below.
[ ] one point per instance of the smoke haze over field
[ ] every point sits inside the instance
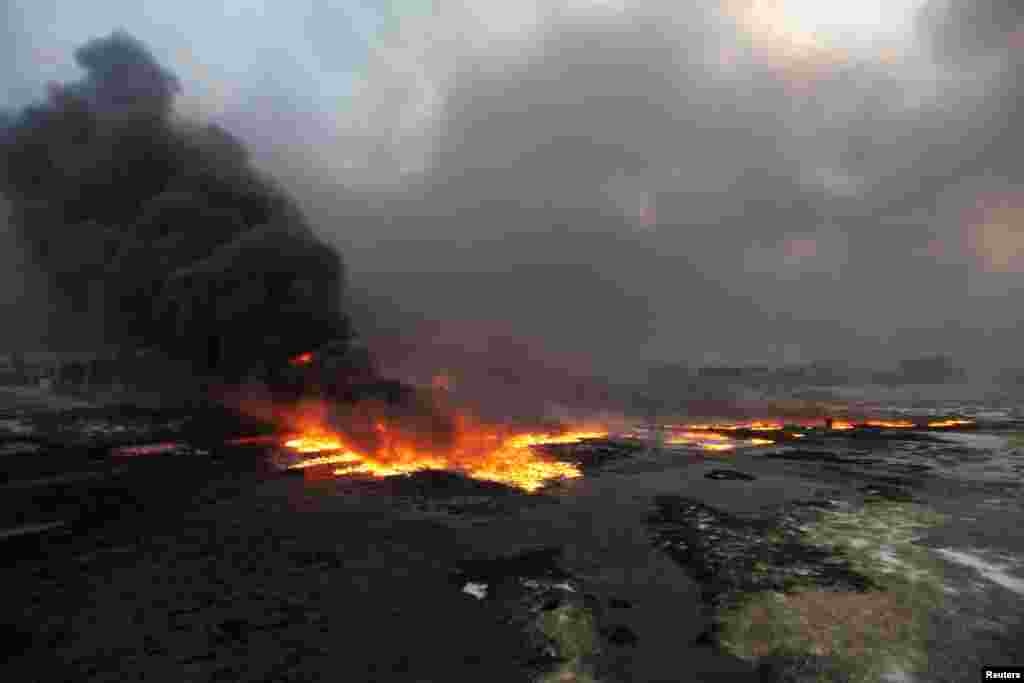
(629, 181)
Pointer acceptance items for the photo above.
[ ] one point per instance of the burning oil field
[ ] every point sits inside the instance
(613, 552)
(221, 462)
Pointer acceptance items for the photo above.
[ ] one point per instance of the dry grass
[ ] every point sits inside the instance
(833, 623)
(865, 634)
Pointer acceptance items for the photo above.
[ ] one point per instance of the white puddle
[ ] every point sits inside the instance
(982, 442)
(887, 555)
(996, 573)
(477, 590)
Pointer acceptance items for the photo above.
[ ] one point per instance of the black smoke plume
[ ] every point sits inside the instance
(156, 232)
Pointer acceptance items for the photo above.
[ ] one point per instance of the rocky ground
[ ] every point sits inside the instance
(847, 556)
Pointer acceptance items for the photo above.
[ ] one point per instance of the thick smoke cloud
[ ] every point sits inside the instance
(656, 182)
(715, 198)
(155, 231)
(963, 30)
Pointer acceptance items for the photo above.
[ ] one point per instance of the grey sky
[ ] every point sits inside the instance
(639, 181)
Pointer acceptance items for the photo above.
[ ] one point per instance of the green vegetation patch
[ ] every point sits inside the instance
(864, 634)
(573, 631)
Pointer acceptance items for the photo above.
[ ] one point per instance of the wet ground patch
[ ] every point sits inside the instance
(820, 456)
(891, 471)
(593, 454)
(875, 435)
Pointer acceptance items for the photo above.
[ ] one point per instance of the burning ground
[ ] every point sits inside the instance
(390, 447)
(659, 558)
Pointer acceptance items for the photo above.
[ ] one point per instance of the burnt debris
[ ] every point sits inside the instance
(729, 475)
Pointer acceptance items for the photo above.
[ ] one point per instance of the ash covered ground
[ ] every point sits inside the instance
(190, 559)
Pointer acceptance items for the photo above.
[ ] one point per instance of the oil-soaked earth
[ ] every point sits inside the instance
(866, 555)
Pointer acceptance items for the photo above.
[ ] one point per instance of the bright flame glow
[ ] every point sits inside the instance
(756, 426)
(710, 437)
(315, 443)
(952, 422)
(690, 437)
(891, 424)
(302, 359)
(528, 440)
(842, 426)
(708, 441)
(480, 452)
(338, 459)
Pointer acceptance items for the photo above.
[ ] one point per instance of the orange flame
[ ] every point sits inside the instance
(708, 441)
(951, 422)
(528, 440)
(479, 451)
(302, 359)
(890, 424)
(765, 427)
(315, 443)
(842, 425)
(688, 437)
(756, 426)
(709, 436)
